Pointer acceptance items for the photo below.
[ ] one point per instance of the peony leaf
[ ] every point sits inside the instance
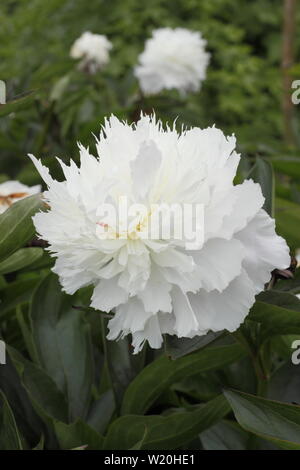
(77, 435)
(46, 399)
(16, 293)
(164, 432)
(287, 219)
(278, 312)
(101, 412)
(9, 435)
(161, 373)
(262, 173)
(178, 347)
(16, 227)
(21, 259)
(29, 423)
(290, 285)
(17, 104)
(271, 420)
(63, 343)
(121, 365)
(225, 435)
(285, 382)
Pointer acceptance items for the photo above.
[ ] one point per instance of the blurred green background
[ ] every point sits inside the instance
(242, 94)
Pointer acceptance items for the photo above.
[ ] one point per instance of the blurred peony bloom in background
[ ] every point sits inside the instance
(93, 49)
(158, 286)
(173, 58)
(13, 191)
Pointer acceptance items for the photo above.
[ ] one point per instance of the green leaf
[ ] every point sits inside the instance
(289, 166)
(26, 333)
(119, 367)
(225, 435)
(101, 412)
(164, 432)
(263, 173)
(63, 343)
(20, 259)
(285, 383)
(16, 227)
(26, 417)
(47, 400)
(16, 293)
(40, 444)
(290, 285)
(9, 434)
(287, 218)
(162, 372)
(77, 434)
(278, 312)
(178, 347)
(16, 104)
(271, 420)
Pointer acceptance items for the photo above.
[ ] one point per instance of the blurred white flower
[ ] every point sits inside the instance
(13, 191)
(173, 58)
(93, 49)
(158, 286)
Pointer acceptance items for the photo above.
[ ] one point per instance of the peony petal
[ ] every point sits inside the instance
(265, 250)
(186, 320)
(224, 310)
(218, 263)
(144, 169)
(107, 295)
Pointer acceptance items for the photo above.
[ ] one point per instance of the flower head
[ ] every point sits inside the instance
(13, 191)
(173, 58)
(157, 286)
(93, 49)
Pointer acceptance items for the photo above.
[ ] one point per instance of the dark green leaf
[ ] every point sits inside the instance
(285, 383)
(164, 432)
(46, 398)
(77, 434)
(20, 259)
(271, 420)
(16, 293)
(63, 344)
(178, 347)
(278, 313)
(101, 412)
(16, 227)
(225, 435)
(17, 104)
(263, 173)
(9, 435)
(161, 373)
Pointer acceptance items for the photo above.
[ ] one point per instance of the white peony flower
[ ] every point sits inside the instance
(158, 286)
(93, 49)
(173, 58)
(13, 191)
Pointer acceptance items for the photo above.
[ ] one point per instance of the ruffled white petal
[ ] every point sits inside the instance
(265, 250)
(224, 310)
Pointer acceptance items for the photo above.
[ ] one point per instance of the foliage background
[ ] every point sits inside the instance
(242, 95)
